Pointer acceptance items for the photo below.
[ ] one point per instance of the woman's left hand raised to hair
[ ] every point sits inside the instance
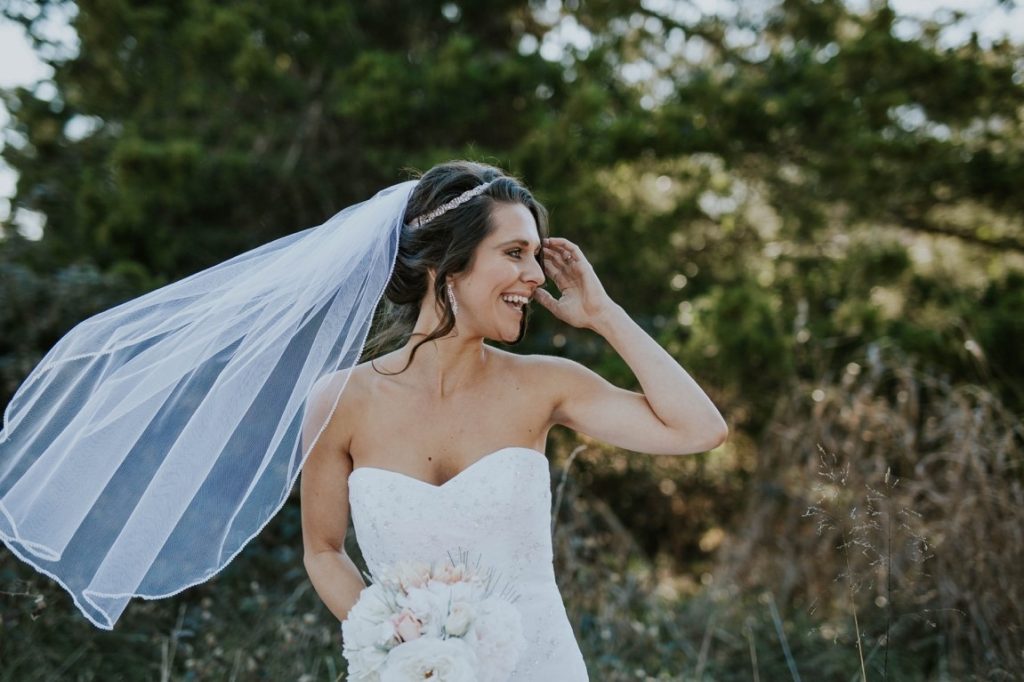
(583, 301)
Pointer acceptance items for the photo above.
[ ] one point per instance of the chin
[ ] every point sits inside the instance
(522, 330)
(500, 337)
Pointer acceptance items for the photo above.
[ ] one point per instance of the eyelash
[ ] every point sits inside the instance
(520, 250)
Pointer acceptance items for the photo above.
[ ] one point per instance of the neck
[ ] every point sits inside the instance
(448, 364)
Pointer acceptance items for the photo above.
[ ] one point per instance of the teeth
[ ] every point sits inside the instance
(512, 298)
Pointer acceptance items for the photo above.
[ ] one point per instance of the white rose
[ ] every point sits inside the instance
(460, 615)
(359, 633)
(496, 636)
(369, 621)
(372, 605)
(444, 660)
(468, 592)
(364, 665)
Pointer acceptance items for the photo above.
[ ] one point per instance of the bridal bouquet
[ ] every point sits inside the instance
(447, 623)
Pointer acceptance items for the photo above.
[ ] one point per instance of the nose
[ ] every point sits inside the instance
(535, 273)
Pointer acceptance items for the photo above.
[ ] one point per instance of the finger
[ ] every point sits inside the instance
(544, 298)
(570, 249)
(555, 265)
(554, 256)
(557, 268)
(565, 261)
(564, 253)
(561, 269)
(560, 242)
(564, 248)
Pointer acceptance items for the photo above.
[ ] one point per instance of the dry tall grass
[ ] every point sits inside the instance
(900, 499)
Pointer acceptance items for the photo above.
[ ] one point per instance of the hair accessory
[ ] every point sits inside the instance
(422, 220)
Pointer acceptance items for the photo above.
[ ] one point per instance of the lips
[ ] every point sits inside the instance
(515, 308)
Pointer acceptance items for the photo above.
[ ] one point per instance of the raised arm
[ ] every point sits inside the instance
(673, 415)
(324, 501)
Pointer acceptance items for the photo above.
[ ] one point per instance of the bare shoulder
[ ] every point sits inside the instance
(545, 367)
(334, 393)
(549, 377)
(569, 385)
(537, 365)
(517, 362)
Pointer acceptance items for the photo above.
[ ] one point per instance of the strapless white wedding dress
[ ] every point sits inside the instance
(499, 509)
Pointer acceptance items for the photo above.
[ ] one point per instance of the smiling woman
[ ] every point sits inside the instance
(410, 436)
(180, 420)
(494, 228)
(448, 433)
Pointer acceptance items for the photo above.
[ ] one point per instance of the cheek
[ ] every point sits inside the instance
(489, 278)
(497, 275)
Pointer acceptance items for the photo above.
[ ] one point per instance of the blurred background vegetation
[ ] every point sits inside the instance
(815, 206)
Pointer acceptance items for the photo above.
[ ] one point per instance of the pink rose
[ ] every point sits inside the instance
(410, 575)
(407, 626)
(449, 574)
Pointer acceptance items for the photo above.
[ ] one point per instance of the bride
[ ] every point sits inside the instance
(156, 439)
(440, 444)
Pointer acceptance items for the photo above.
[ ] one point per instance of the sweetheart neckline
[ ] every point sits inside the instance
(442, 485)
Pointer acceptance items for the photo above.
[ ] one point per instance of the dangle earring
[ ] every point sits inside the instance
(451, 299)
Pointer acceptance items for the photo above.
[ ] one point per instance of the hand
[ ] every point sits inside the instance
(583, 301)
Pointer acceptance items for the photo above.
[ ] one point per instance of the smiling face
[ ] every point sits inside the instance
(506, 263)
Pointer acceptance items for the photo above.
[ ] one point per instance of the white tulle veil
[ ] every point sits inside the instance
(158, 437)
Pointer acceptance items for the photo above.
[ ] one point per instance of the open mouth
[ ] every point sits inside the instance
(517, 308)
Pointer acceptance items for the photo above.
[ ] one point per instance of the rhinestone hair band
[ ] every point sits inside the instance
(422, 220)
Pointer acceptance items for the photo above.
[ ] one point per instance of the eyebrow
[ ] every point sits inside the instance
(521, 242)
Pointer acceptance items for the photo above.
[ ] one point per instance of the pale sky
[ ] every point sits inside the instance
(20, 66)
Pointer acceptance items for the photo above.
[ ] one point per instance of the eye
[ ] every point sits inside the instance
(518, 251)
